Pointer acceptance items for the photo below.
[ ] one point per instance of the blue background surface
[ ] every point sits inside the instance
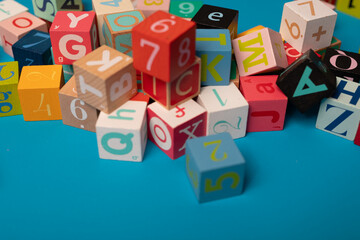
(301, 183)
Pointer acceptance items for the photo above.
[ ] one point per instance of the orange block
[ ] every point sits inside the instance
(251, 30)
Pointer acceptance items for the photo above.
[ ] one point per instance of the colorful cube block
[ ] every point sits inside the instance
(149, 7)
(185, 9)
(47, 9)
(9, 8)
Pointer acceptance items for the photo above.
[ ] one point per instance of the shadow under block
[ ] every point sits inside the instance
(9, 8)
(117, 30)
(47, 9)
(267, 103)
(350, 7)
(259, 52)
(227, 110)
(343, 64)
(163, 46)
(102, 7)
(234, 74)
(213, 46)
(307, 81)
(39, 92)
(9, 97)
(185, 9)
(122, 135)
(307, 24)
(340, 114)
(357, 137)
(75, 112)
(169, 129)
(149, 7)
(73, 35)
(217, 17)
(105, 79)
(215, 167)
(14, 28)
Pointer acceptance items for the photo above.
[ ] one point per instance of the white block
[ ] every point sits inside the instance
(9, 8)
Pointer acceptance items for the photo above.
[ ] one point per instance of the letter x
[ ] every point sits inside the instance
(190, 134)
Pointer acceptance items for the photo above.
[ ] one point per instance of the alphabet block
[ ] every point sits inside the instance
(227, 110)
(171, 94)
(102, 7)
(213, 46)
(350, 7)
(292, 54)
(186, 121)
(10, 8)
(105, 79)
(117, 30)
(335, 44)
(9, 97)
(357, 137)
(307, 24)
(38, 91)
(185, 9)
(14, 28)
(343, 64)
(215, 167)
(47, 9)
(307, 81)
(340, 114)
(122, 135)
(164, 46)
(75, 112)
(73, 35)
(259, 52)
(217, 17)
(149, 7)
(267, 104)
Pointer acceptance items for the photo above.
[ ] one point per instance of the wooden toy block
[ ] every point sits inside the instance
(357, 137)
(73, 35)
(234, 74)
(350, 7)
(122, 135)
(335, 44)
(38, 91)
(105, 79)
(117, 30)
(343, 64)
(215, 167)
(9, 8)
(149, 7)
(33, 49)
(292, 54)
(340, 114)
(102, 7)
(171, 94)
(217, 17)
(307, 81)
(307, 24)
(213, 46)
(227, 110)
(185, 9)
(329, 5)
(267, 104)
(75, 112)
(169, 129)
(251, 30)
(134, 3)
(164, 46)
(259, 52)
(9, 97)
(141, 96)
(14, 28)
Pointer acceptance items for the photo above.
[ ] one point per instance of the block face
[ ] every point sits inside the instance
(213, 46)
(122, 135)
(307, 24)
(350, 7)
(45, 9)
(148, 7)
(163, 46)
(10, 8)
(291, 53)
(215, 167)
(185, 9)
(227, 110)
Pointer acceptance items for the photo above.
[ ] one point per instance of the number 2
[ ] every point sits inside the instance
(213, 153)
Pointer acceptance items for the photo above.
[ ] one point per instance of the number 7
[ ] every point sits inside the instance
(311, 4)
(156, 47)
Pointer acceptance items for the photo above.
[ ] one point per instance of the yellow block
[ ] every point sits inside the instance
(351, 7)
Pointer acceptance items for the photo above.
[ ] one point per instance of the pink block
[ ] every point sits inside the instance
(267, 103)
(14, 28)
(148, 7)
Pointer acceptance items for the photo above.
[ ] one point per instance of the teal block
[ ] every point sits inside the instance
(124, 21)
(107, 35)
(215, 167)
(185, 9)
(213, 46)
(124, 40)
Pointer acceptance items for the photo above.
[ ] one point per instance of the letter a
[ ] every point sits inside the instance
(306, 81)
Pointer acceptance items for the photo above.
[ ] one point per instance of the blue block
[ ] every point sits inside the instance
(215, 167)
(213, 46)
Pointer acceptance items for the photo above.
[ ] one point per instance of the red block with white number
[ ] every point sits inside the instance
(164, 46)
(267, 103)
(169, 130)
(73, 35)
(14, 28)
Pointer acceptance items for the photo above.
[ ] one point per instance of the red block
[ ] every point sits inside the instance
(357, 137)
(267, 103)
(73, 35)
(292, 54)
(164, 45)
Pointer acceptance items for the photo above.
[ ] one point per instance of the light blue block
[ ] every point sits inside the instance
(213, 46)
(215, 167)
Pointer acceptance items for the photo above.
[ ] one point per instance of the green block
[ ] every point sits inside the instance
(185, 9)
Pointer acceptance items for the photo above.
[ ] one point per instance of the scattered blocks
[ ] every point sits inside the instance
(215, 167)
(350, 7)
(122, 135)
(185, 9)
(9, 8)
(47, 9)
(38, 91)
(9, 97)
(148, 7)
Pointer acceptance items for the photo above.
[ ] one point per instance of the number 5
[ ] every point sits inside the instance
(156, 50)
(218, 184)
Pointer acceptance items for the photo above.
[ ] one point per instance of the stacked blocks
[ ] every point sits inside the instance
(185, 9)
(267, 104)
(9, 97)
(215, 167)
(351, 7)
(227, 110)
(47, 9)
(149, 7)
